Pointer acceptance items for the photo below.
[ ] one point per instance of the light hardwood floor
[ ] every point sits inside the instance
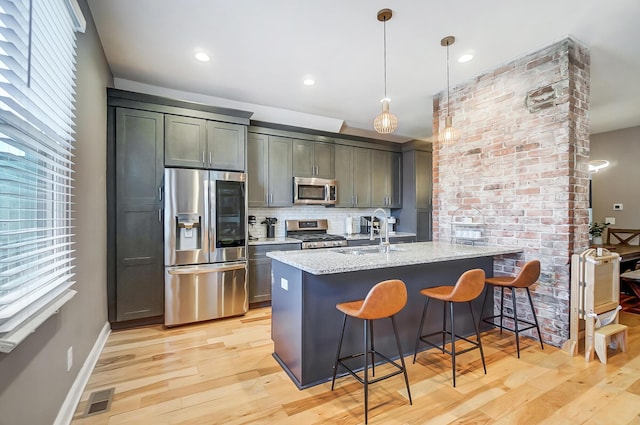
(222, 372)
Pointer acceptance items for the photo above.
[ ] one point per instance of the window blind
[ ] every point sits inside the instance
(37, 92)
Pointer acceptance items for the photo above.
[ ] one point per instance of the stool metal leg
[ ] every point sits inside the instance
(444, 323)
(475, 324)
(484, 301)
(373, 360)
(453, 344)
(535, 318)
(515, 319)
(404, 367)
(335, 365)
(365, 357)
(501, 307)
(424, 313)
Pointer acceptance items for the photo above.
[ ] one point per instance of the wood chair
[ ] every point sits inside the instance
(623, 236)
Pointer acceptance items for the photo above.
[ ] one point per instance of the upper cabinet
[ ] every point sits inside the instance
(185, 141)
(353, 176)
(226, 146)
(313, 159)
(269, 171)
(199, 143)
(386, 179)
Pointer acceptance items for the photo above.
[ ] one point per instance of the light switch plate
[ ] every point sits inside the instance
(610, 220)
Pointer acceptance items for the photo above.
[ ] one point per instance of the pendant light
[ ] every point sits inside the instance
(386, 122)
(449, 135)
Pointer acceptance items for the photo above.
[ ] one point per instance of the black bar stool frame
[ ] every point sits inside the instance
(444, 332)
(516, 328)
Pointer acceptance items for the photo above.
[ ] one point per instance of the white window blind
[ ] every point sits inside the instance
(37, 91)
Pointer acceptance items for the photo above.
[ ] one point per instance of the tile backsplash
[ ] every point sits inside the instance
(335, 216)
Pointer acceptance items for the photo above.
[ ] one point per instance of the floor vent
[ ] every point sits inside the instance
(99, 402)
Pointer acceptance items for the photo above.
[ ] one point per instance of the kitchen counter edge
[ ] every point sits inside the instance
(330, 261)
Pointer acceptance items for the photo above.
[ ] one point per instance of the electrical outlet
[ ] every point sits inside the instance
(610, 220)
(284, 283)
(617, 207)
(69, 358)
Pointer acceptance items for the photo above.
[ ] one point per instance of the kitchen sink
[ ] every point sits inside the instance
(366, 250)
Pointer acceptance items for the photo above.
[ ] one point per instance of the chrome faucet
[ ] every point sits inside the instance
(384, 246)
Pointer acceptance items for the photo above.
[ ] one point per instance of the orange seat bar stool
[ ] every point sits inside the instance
(528, 275)
(468, 287)
(383, 301)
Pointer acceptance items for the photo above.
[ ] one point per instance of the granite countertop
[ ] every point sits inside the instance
(273, 241)
(329, 261)
(360, 236)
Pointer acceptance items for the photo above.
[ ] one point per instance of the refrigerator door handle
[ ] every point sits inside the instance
(206, 269)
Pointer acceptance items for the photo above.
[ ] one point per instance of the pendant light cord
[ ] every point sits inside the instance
(384, 38)
(448, 97)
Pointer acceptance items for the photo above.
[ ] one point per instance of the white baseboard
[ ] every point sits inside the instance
(68, 408)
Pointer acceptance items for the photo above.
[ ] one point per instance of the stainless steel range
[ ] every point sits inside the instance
(313, 234)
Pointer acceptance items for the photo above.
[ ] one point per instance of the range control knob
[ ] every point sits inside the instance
(312, 245)
(337, 243)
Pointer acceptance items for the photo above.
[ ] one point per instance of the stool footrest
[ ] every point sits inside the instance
(526, 328)
(371, 381)
(423, 338)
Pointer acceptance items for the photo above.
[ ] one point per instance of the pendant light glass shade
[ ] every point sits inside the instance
(448, 135)
(386, 122)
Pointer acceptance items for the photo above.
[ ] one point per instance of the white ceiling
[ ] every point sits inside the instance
(262, 50)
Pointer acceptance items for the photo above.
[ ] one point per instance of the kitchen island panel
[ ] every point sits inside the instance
(306, 324)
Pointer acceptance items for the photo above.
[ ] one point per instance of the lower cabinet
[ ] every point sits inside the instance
(260, 270)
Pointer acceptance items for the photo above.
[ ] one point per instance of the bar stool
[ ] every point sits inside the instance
(468, 287)
(384, 300)
(528, 275)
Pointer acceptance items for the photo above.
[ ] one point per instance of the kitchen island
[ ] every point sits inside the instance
(307, 285)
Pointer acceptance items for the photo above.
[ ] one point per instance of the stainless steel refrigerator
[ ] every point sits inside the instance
(205, 236)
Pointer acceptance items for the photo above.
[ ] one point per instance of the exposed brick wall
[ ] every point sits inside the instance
(525, 171)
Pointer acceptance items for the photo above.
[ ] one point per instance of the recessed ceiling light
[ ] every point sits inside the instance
(202, 57)
(309, 82)
(465, 58)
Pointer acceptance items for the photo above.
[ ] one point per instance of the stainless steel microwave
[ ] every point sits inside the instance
(313, 191)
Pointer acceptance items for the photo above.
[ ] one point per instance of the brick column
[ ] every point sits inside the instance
(522, 161)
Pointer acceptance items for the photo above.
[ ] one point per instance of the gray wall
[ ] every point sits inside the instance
(619, 182)
(33, 378)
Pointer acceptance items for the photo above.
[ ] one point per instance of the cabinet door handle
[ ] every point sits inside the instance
(202, 157)
(355, 200)
(159, 193)
(160, 215)
(210, 158)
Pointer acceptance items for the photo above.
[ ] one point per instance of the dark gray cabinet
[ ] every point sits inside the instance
(344, 175)
(313, 159)
(138, 232)
(226, 146)
(353, 176)
(259, 273)
(386, 179)
(198, 143)
(269, 171)
(186, 141)
(416, 213)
